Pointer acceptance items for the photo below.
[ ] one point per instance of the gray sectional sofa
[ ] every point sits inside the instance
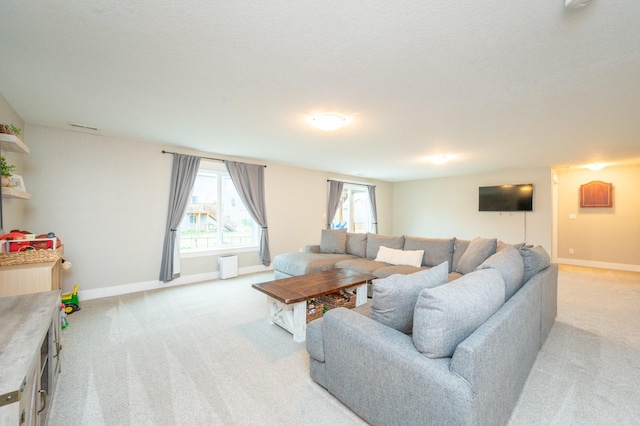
(450, 342)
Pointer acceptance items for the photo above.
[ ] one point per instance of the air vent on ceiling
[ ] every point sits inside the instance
(83, 126)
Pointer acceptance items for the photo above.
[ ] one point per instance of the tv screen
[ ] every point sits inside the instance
(506, 198)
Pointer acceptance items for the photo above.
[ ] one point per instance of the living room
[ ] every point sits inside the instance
(105, 193)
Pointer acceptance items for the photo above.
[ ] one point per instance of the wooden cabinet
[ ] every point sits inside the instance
(29, 357)
(30, 278)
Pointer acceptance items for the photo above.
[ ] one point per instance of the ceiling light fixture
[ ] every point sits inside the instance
(440, 159)
(595, 167)
(574, 4)
(329, 121)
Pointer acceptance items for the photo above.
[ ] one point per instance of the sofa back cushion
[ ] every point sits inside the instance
(446, 315)
(459, 247)
(357, 244)
(510, 265)
(374, 241)
(333, 241)
(436, 250)
(478, 251)
(394, 298)
(535, 260)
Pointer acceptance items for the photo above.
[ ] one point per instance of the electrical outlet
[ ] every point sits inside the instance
(570, 251)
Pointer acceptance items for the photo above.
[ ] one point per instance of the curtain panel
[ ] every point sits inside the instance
(183, 175)
(335, 192)
(374, 209)
(249, 182)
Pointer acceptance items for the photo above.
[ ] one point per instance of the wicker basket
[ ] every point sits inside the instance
(31, 256)
(319, 311)
(336, 300)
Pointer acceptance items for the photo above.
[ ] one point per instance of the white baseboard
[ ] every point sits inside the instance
(602, 265)
(118, 290)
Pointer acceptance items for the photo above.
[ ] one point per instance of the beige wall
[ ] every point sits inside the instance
(600, 237)
(107, 199)
(12, 208)
(448, 207)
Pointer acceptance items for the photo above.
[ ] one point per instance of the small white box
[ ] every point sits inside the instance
(228, 266)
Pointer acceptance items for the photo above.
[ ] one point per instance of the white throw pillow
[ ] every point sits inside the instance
(400, 257)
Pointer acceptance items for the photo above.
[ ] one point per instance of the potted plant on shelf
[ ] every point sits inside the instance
(10, 129)
(6, 170)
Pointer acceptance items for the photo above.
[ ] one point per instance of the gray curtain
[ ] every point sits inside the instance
(374, 209)
(183, 174)
(335, 192)
(249, 182)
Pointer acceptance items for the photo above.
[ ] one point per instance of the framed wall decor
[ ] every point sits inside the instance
(596, 194)
(17, 183)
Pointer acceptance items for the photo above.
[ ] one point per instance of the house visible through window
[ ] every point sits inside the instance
(214, 219)
(354, 210)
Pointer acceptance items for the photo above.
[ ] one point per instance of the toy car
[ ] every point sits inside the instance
(71, 301)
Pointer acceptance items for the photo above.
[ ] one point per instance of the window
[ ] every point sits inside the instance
(215, 218)
(354, 210)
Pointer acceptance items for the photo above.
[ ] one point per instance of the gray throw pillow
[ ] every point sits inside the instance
(357, 244)
(446, 315)
(535, 260)
(394, 298)
(333, 241)
(478, 251)
(509, 263)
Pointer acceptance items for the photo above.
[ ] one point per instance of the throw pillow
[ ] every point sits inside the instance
(333, 241)
(509, 263)
(478, 251)
(535, 260)
(394, 298)
(400, 257)
(357, 244)
(446, 315)
(374, 241)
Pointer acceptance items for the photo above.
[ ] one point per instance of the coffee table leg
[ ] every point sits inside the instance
(292, 318)
(361, 294)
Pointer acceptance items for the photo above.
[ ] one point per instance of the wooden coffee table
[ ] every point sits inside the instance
(287, 297)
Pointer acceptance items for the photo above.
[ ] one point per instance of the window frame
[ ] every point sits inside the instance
(350, 188)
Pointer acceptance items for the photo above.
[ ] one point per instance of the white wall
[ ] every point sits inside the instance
(107, 199)
(448, 207)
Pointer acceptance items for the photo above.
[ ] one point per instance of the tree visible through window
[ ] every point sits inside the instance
(354, 210)
(214, 218)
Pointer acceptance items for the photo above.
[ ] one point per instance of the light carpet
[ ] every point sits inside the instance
(204, 354)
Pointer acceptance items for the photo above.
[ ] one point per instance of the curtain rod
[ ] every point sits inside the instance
(350, 183)
(206, 158)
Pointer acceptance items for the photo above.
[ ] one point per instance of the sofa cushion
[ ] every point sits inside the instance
(364, 266)
(296, 264)
(400, 257)
(510, 265)
(357, 244)
(478, 251)
(459, 247)
(333, 241)
(374, 241)
(535, 260)
(387, 271)
(436, 250)
(446, 315)
(394, 298)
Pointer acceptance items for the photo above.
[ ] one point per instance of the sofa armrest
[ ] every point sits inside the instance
(314, 248)
(364, 359)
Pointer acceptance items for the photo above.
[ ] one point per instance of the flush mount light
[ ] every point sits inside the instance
(597, 166)
(440, 159)
(574, 4)
(329, 121)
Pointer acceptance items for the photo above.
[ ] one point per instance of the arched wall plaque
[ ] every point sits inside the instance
(596, 194)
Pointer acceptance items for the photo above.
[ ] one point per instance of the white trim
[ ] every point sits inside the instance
(99, 293)
(602, 265)
(219, 252)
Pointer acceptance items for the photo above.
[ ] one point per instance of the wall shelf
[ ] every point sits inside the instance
(14, 193)
(13, 143)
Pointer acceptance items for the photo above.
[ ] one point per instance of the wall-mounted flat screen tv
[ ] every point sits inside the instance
(506, 198)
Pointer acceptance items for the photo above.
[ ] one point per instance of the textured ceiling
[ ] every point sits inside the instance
(499, 84)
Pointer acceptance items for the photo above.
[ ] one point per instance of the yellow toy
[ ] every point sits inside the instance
(71, 301)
